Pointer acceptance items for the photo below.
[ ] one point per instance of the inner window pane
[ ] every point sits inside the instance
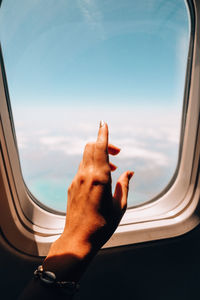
(70, 64)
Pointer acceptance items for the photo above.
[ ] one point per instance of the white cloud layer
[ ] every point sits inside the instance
(51, 153)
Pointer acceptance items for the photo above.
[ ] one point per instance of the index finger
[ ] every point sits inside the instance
(101, 147)
(102, 137)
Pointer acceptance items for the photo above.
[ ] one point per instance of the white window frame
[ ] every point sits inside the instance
(31, 227)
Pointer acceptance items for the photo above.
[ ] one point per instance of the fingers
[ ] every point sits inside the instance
(102, 137)
(88, 154)
(99, 151)
(101, 148)
(121, 189)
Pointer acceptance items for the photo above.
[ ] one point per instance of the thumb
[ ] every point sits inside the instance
(121, 189)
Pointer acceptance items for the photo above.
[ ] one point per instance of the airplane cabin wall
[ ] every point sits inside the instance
(160, 270)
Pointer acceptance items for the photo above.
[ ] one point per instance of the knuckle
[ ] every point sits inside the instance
(90, 171)
(99, 146)
(70, 189)
(81, 177)
(89, 145)
(73, 183)
(102, 175)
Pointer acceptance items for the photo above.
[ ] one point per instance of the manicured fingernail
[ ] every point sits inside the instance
(112, 167)
(102, 123)
(130, 175)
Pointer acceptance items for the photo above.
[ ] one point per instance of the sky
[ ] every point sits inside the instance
(70, 64)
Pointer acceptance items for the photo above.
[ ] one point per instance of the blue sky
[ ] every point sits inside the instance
(71, 63)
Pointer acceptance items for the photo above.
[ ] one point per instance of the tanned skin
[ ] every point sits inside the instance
(93, 213)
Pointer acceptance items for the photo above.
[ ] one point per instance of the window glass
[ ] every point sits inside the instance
(70, 64)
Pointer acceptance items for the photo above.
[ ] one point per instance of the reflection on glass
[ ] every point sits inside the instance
(70, 64)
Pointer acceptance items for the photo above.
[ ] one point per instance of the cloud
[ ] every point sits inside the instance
(22, 140)
(69, 146)
(133, 147)
(139, 139)
(52, 152)
(158, 158)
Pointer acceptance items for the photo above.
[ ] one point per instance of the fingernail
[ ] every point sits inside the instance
(102, 123)
(130, 175)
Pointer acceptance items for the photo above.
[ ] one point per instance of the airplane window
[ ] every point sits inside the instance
(70, 64)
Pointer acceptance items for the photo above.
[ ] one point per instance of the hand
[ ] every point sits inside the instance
(93, 213)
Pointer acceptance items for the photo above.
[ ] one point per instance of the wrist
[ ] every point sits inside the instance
(68, 258)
